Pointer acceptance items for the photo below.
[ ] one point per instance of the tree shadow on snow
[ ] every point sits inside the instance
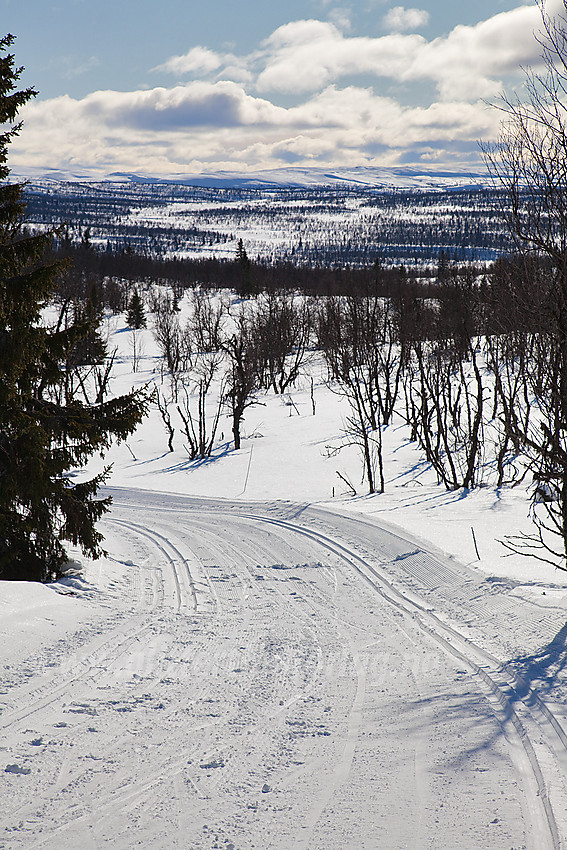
(466, 725)
(543, 669)
(466, 714)
(221, 451)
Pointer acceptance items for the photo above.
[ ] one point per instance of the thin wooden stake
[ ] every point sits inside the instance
(474, 541)
(248, 470)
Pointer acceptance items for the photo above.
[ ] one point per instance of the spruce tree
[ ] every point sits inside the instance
(46, 430)
(91, 348)
(136, 316)
(245, 285)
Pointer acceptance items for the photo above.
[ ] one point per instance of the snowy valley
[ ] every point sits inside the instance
(305, 218)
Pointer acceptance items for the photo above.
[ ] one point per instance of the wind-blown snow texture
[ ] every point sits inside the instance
(262, 661)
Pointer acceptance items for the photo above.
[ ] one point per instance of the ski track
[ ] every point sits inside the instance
(279, 676)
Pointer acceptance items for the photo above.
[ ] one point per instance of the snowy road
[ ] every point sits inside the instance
(279, 676)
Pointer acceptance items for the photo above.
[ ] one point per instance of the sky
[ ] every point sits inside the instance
(180, 87)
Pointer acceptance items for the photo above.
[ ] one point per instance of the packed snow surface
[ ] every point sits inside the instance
(265, 661)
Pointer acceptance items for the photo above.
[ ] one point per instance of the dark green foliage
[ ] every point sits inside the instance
(46, 430)
(90, 348)
(246, 282)
(241, 255)
(136, 316)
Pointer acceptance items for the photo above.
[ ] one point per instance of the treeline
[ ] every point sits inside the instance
(112, 273)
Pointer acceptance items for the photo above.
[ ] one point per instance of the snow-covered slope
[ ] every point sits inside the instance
(405, 178)
(263, 661)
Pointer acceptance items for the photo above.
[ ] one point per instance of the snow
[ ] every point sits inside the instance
(400, 177)
(263, 660)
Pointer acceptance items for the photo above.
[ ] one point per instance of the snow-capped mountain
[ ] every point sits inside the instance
(379, 177)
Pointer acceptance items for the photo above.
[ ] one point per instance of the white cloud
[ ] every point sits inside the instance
(400, 19)
(341, 18)
(207, 126)
(228, 117)
(199, 60)
(306, 55)
(470, 62)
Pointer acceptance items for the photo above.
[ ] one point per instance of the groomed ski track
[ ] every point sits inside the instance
(276, 675)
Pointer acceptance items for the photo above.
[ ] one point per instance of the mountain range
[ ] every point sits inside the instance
(404, 178)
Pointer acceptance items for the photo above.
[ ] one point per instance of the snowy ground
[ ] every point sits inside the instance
(264, 662)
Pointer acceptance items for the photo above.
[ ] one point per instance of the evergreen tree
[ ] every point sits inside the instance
(136, 316)
(245, 285)
(90, 349)
(241, 255)
(45, 429)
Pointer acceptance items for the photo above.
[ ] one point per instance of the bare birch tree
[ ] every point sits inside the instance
(529, 162)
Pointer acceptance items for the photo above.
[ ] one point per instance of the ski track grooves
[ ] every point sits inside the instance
(179, 565)
(546, 833)
(189, 588)
(462, 649)
(505, 693)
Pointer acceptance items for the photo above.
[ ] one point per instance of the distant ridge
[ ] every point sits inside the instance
(362, 177)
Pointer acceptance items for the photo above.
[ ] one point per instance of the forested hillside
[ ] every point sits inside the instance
(305, 227)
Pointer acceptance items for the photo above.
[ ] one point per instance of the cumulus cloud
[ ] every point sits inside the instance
(195, 105)
(470, 62)
(400, 19)
(199, 60)
(344, 98)
(204, 126)
(341, 18)
(306, 55)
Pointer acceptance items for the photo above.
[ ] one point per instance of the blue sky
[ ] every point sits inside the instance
(178, 86)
